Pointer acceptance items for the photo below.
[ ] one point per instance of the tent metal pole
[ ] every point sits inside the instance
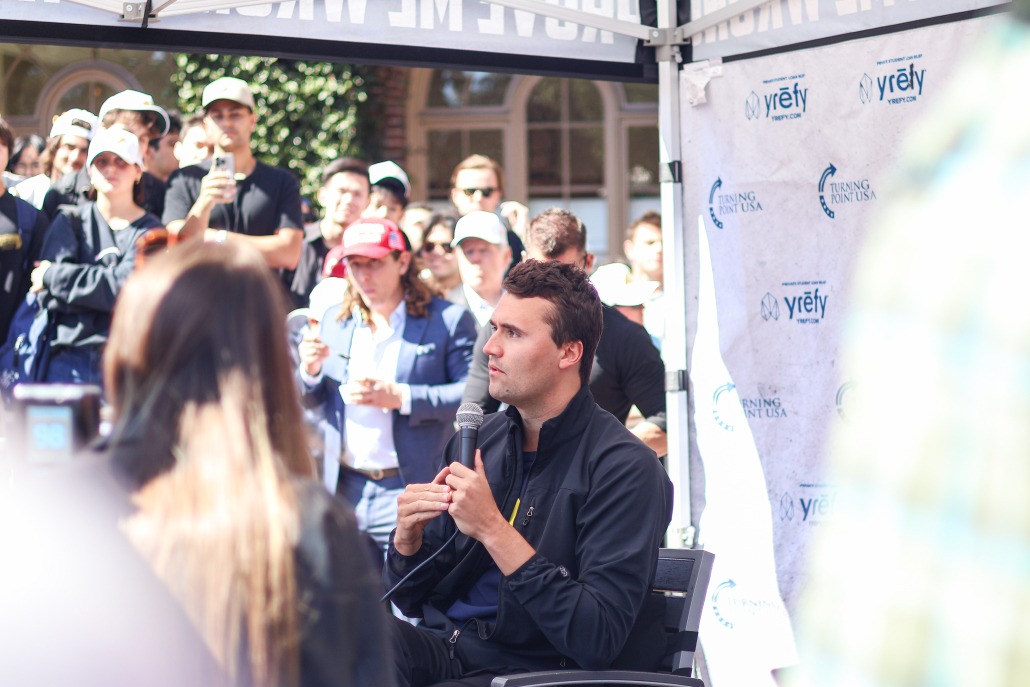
(674, 348)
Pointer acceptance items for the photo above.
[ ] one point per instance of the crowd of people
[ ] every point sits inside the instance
(404, 310)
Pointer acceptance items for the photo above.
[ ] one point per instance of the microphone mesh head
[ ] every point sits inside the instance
(470, 415)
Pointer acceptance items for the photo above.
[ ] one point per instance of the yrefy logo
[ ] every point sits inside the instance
(902, 85)
(785, 102)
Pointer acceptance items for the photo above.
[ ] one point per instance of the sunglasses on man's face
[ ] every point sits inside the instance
(429, 247)
(470, 192)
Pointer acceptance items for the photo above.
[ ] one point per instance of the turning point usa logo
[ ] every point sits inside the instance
(893, 82)
(730, 203)
(804, 304)
(759, 408)
(837, 191)
(778, 102)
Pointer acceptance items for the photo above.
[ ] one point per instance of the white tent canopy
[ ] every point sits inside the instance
(598, 39)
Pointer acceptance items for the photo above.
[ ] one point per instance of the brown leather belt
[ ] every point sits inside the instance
(375, 475)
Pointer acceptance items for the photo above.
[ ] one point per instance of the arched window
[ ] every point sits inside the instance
(38, 82)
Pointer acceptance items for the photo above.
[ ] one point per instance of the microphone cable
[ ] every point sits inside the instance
(469, 417)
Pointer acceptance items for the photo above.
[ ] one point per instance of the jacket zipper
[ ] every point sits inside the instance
(453, 639)
(525, 520)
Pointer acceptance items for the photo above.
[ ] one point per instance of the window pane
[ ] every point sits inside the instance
(445, 152)
(641, 92)
(485, 88)
(642, 157)
(447, 88)
(489, 142)
(544, 157)
(545, 102)
(453, 88)
(89, 95)
(584, 102)
(23, 89)
(587, 153)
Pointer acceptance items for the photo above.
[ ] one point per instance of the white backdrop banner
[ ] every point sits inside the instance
(785, 166)
(785, 22)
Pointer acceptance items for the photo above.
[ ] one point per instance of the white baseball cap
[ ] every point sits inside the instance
(228, 88)
(615, 286)
(134, 100)
(388, 170)
(75, 122)
(115, 140)
(480, 224)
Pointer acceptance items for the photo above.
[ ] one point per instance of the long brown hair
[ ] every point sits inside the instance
(208, 431)
(417, 294)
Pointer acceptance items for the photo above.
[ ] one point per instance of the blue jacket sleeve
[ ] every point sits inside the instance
(75, 281)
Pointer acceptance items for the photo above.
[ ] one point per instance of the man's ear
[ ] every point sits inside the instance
(571, 355)
(404, 260)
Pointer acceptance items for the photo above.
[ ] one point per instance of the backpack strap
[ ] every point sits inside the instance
(27, 217)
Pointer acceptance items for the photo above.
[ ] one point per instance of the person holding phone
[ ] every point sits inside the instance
(232, 196)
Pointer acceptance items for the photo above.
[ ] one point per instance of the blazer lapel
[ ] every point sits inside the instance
(414, 331)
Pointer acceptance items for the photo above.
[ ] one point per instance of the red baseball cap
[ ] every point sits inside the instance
(333, 265)
(372, 237)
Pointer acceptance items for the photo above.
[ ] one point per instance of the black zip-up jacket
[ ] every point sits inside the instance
(596, 507)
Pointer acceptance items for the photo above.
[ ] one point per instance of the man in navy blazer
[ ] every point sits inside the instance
(389, 367)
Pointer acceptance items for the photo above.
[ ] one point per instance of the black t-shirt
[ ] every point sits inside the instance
(16, 258)
(266, 200)
(301, 281)
(71, 189)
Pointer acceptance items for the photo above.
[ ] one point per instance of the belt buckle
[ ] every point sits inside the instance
(375, 474)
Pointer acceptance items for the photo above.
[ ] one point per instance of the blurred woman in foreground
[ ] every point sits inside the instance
(208, 432)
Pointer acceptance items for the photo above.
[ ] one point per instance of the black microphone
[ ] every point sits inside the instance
(470, 417)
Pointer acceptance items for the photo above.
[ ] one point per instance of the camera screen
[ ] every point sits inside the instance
(49, 433)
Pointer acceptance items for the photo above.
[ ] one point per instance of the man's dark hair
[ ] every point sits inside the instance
(555, 231)
(575, 314)
(145, 119)
(346, 164)
(174, 127)
(6, 136)
(394, 188)
(650, 217)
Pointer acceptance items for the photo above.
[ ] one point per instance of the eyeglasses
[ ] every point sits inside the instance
(470, 192)
(153, 242)
(429, 247)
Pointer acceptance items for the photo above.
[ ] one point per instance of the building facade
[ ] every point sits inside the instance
(590, 146)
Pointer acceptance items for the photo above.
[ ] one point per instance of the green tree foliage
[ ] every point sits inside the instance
(308, 112)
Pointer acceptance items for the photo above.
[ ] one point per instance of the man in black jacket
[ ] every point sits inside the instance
(628, 370)
(559, 523)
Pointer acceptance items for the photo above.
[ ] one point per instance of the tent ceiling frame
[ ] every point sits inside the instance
(135, 11)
